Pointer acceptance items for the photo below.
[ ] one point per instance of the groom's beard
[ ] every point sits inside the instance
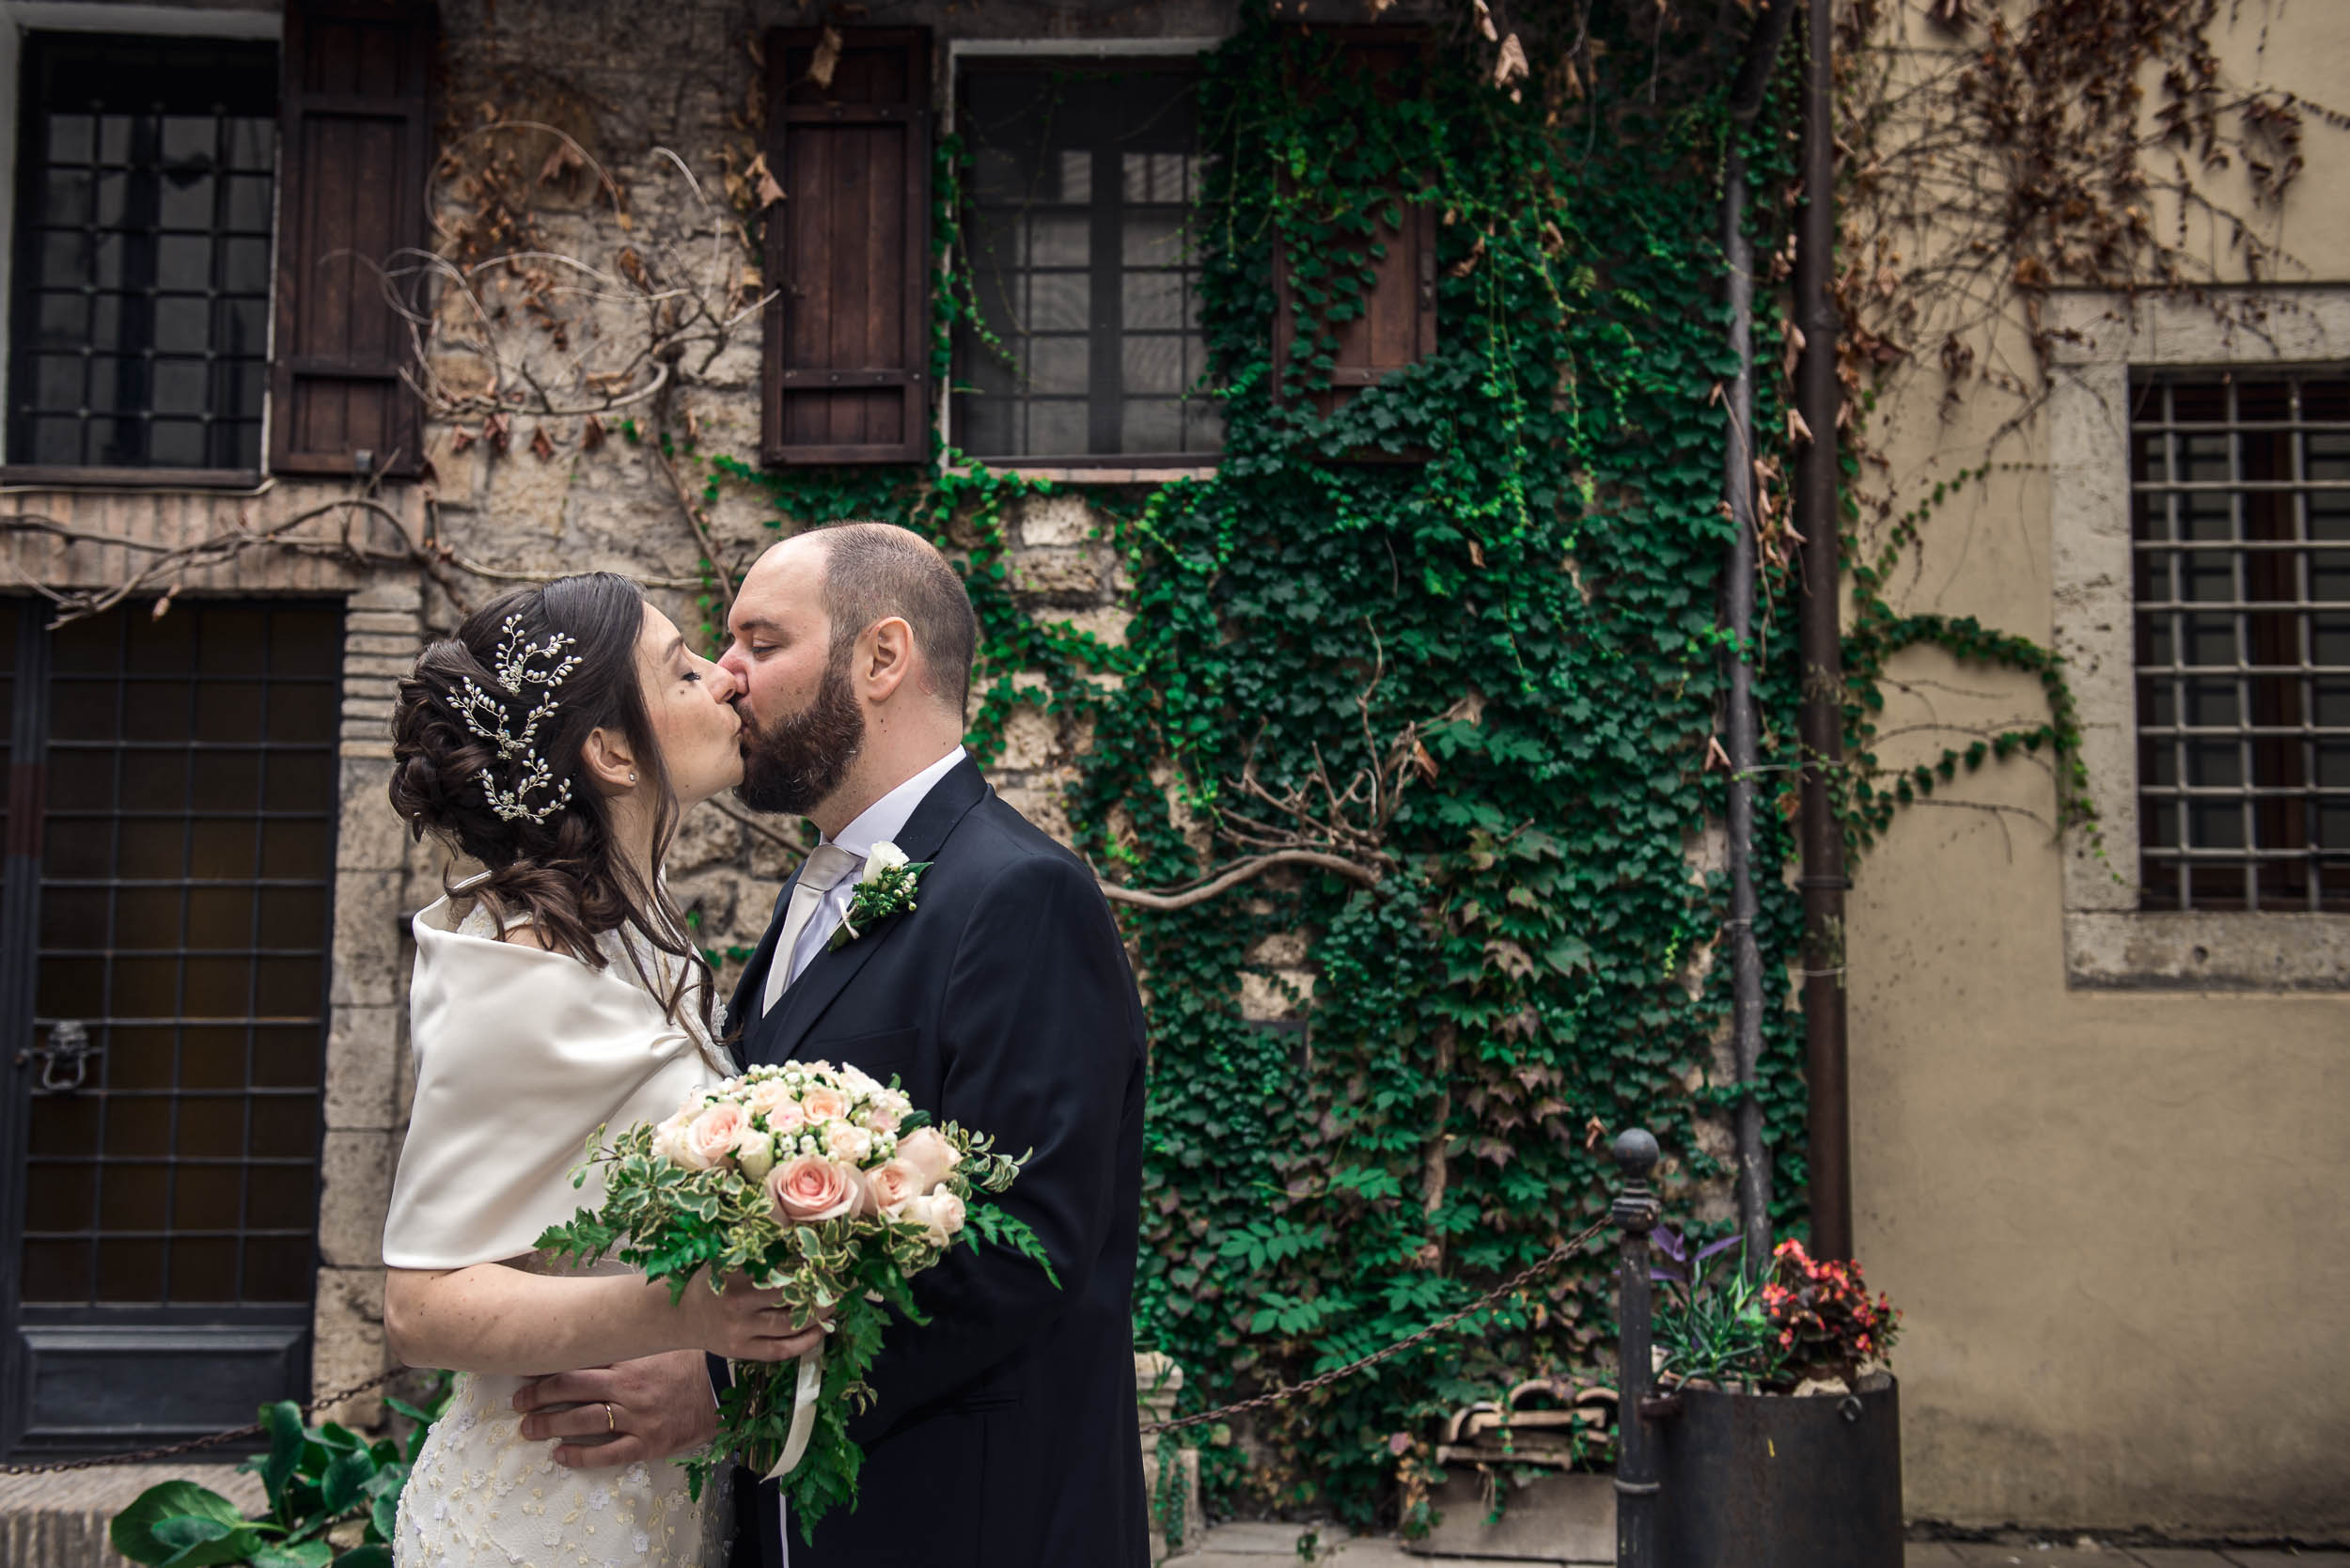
(792, 766)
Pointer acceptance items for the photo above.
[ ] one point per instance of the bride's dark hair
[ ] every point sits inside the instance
(555, 861)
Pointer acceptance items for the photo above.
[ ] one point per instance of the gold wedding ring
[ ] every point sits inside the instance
(611, 1423)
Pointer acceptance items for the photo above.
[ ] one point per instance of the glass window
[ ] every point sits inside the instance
(2242, 588)
(141, 277)
(1077, 218)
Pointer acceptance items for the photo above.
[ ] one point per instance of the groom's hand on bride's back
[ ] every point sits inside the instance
(636, 1411)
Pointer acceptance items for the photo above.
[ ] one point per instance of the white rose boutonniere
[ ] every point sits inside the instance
(885, 887)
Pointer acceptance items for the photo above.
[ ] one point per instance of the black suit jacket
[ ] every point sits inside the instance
(1004, 1433)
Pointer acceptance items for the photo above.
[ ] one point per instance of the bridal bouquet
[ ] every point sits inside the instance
(816, 1180)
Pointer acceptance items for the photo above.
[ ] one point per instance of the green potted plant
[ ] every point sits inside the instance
(1779, 1436)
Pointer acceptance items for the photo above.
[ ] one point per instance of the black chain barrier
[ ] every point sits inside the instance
(1509, 1287)
(195, 1444)
(1492, 1298)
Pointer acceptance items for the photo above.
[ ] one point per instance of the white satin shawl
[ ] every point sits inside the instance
(520, 1055)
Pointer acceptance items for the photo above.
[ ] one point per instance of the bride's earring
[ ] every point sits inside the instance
(632, 776)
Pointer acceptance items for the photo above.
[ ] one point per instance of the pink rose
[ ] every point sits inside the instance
(811, 1188)
(881, 1119)
(932, 1156)
(786, 1118)
(767, 1096)
(893, 1183)
(825, 1104)
(712, 1136)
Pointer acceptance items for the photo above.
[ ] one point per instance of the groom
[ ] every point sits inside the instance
(1003, 1432)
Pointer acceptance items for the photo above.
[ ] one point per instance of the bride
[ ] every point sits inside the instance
(553, 743)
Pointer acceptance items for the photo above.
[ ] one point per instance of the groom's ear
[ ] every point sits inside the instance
(605, 758)
(885, 658)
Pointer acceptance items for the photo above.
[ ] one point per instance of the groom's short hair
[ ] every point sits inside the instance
(873, 570)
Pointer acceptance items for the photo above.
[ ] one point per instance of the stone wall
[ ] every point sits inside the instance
(631, 90)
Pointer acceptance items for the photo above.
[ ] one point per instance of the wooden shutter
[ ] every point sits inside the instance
(848, 249)
(1398, 325)
(354, 148)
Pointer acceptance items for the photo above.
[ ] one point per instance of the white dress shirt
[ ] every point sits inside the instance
(880, 822)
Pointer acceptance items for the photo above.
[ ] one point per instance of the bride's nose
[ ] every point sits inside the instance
(724, 687)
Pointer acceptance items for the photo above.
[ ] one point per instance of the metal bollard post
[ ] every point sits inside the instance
(1635, 1213)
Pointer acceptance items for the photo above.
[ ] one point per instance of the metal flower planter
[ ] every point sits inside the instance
(1767, 1481)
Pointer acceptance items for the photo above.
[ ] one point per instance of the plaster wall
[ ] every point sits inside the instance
(2103, 1182)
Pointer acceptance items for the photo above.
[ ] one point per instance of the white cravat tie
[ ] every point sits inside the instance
(819, 876)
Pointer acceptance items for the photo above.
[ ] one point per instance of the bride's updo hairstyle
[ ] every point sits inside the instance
(492, 768)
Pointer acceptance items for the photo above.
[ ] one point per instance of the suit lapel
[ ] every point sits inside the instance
(829, 972)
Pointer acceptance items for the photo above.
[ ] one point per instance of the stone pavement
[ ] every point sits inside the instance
(60, 1520)
(1256, 1544)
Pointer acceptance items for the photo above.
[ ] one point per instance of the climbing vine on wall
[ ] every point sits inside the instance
(1535, 595)
(1483, 673)
(1493, 662)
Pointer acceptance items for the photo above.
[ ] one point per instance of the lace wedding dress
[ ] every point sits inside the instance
(520, 1053)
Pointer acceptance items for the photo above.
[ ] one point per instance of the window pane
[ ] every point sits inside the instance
(205, 987)
(2246, 792)
(1101, 333)
(138, 241)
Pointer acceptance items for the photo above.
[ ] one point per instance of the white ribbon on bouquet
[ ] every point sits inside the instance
(810, 1386)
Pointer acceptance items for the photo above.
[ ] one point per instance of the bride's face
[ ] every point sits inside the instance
(690, 703)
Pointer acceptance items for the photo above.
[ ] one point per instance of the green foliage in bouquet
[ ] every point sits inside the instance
(851, 1270)
(317, 1478)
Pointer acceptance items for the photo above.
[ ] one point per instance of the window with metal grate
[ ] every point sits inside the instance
(2241, 490)
(146, 198)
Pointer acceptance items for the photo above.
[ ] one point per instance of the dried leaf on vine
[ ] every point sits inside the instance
(541, 447)
(564, 166)
(762, 183)
(1511, 959)
(1511, 67)
(826, 60)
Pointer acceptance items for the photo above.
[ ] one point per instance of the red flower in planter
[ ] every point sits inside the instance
(1828, 1322)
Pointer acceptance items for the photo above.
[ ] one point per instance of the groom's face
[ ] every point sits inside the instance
(802, 723)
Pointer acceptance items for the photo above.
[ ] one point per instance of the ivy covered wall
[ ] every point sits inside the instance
(1465, 630)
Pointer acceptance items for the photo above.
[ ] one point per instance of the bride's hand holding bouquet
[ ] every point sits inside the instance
(824, 1187)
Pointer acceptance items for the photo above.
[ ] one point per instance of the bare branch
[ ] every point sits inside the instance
(1240, 872)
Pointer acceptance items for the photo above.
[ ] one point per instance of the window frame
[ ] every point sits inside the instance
(2101, 340)
(124, 21)
(1084, 467)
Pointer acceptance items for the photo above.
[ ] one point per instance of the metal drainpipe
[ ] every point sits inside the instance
(1820, 724)
(1753, 1155)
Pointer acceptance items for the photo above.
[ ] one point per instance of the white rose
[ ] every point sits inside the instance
(668, 1139)
(940, 1214)
(755, 1151)
(846, 1140)
(884, 856)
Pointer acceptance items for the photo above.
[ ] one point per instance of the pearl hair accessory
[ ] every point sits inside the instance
(519, 663)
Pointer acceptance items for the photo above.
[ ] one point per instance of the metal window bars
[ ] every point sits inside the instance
(2241, 539)
(186, 863)
(142, 289)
